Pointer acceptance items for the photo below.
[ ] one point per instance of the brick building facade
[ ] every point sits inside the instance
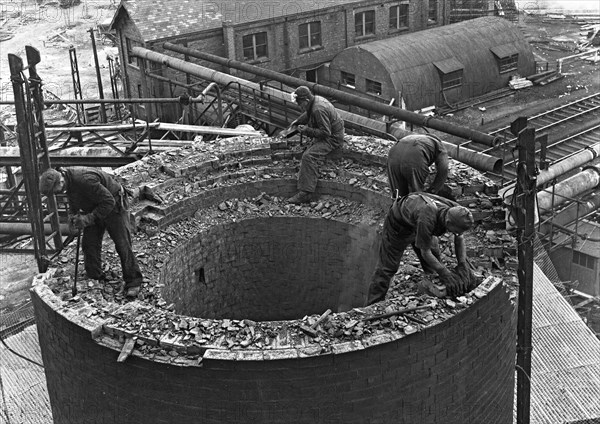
(295, 38)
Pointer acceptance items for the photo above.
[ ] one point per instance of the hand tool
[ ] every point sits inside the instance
(74, 289)
(398, 312)
(312, 330)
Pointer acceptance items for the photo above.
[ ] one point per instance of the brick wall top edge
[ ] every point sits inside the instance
(113, 337)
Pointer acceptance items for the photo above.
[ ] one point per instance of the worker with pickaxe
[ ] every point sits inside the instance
(324, 126)
(97, 203)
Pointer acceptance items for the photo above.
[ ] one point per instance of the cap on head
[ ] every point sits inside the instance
(303, 93)
(49, 180)
(460, 218)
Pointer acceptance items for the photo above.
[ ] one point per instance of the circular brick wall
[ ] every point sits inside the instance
(194, 359)
(275, 268)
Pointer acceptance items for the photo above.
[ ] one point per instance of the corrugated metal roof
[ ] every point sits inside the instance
(408, 59)
(24, 392)
(565, 363)
(159, 19)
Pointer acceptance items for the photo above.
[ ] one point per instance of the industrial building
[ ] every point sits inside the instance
(578, 260)
(297, 38)
(437, 67)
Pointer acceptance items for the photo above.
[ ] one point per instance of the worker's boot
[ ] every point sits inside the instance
(300, 197)
(132, 292)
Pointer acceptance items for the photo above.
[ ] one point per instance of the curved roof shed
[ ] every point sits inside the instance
(438, 66)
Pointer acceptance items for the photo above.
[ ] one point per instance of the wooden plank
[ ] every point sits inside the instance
(126, 350)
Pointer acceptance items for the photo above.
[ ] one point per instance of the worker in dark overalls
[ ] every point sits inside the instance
(321, 122)
(417, 218)
(408, 165)
(97, 203)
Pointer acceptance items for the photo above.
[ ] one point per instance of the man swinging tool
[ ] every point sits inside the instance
(104, 204)
(323, 124)
(417, 218)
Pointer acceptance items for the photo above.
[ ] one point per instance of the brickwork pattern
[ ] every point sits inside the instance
(278, 268)
(460, 371)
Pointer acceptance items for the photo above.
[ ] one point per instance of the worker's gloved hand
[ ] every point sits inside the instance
(452, 283)
(465, 272)
(302, 129)
(79, 222)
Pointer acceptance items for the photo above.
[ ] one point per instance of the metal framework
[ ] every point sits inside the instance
(31, 137)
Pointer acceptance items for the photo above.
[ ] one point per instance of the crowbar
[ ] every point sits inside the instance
(74, 288)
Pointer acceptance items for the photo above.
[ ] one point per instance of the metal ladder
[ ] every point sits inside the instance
(77, 94)
(31, 135)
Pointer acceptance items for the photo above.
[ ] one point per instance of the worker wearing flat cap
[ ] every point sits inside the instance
(321, 122)
(408, 164)
(417, 218)
(97, 203)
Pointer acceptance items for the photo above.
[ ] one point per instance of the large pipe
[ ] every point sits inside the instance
(559, 168)
(480, 161)
(586, 180)
(24, 228)
(562, 167)
(342, 96)
(573, 212)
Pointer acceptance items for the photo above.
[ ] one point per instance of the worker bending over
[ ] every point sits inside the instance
(97, 203)
(409, 161)
(417, 218)
(321, 122)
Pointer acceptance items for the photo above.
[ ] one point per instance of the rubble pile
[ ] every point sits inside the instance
(180, 175)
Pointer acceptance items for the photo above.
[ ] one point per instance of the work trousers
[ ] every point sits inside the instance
(395, 238)
(118, 227)
(309, 165)
(407, 171)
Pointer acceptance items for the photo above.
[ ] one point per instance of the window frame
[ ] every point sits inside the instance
(369, 84)
(129, 44)
(583, 260)
(363, 23)
(310, 35)
(448, 78)
(255, 46)
(344, 76)
(433, 9)
(508, 64)
(397, 17)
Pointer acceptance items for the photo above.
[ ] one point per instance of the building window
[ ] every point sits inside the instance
(451, 73)
(508, 64)
(452, 80)
(373, 87)
(309, 35)
(132, 60)
(583, 260)
(433, 11)
(348, 79)
(399, 16)
(364, 23)
(255, 46)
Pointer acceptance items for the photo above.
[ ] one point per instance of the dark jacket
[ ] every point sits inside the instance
(423, 215)
(91, 191)
(323, 121)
